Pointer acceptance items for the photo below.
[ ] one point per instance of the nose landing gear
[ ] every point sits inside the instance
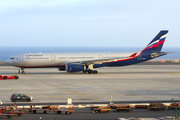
(23, 72)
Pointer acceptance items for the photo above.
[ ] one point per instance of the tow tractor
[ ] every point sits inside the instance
(4, 77)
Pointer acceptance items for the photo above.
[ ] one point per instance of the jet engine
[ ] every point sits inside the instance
(75, 68)
(62, 68)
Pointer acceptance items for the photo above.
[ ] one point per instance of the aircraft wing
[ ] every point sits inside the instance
(96, 61)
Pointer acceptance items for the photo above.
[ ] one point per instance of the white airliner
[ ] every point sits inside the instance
(86, 62)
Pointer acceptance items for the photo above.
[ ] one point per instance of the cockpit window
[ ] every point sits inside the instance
(12, 58)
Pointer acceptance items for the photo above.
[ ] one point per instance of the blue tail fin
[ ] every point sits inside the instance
(156, 44)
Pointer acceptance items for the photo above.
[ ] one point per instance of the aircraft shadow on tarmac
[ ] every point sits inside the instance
(80, 73)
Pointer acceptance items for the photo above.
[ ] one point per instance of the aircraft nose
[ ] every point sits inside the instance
(7, 61)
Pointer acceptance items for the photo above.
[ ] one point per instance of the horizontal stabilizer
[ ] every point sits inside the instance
(154, 55)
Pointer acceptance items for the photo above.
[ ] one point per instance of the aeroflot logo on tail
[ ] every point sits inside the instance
(157, 42)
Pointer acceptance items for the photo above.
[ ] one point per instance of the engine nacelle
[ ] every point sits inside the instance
(62, 68)
(74, 68)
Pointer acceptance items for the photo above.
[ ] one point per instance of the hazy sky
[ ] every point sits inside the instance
(120, 23)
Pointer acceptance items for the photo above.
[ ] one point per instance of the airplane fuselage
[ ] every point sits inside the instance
(86, 62)
(38, 60)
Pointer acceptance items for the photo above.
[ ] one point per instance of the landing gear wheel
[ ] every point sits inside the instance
(23, 72)
(90, 71)
(85, 71)
(95, 71)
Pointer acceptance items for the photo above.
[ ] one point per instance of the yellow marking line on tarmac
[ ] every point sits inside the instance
(68, 91)
(18, 74)
(52, 96)
(173, 73)
(34, 94)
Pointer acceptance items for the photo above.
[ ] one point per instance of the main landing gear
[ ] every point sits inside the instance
(90, 71)
(22, 71)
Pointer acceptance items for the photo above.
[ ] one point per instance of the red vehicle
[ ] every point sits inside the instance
(4, 77)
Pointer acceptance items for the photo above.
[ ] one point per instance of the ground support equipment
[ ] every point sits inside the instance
(123, 109)
(35, 110)
(16, 111)
(156, 106)
(141, 106)
(68, 111)
(102, 110)
(7, 114)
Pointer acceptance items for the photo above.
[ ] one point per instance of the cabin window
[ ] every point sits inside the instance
(62, 57)
(81, 57)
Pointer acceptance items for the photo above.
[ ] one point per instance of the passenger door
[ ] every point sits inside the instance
(52, 57)
(100, 56)
(21, 58)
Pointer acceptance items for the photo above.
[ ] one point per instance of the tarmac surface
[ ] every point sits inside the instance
(128, 83)
(137, 83)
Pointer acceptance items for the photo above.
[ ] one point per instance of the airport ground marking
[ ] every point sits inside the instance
(18, 74)
(52, 96)
(69, 91)
(173, 73)
(34, 94)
